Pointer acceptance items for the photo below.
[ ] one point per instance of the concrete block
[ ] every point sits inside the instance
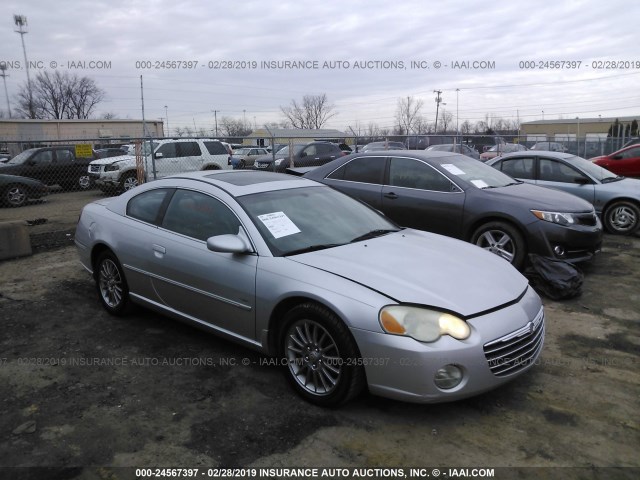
(14, 240)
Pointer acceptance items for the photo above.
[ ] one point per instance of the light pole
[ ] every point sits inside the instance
(21, 23)
(578, 135)
(166, 115)
(457, 116)
(3, 68)
(215, 116)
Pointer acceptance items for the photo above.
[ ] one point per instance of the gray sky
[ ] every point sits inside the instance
(378, 39)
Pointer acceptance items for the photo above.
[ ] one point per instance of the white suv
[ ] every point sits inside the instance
(170, 156)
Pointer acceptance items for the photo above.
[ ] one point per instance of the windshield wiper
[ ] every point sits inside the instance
(612, 179)
(373, 233)
(312, 248)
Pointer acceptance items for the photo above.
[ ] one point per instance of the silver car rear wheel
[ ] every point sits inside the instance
(321, 356)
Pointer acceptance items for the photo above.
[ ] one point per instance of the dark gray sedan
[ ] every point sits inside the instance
(616, 199)
(458, 196)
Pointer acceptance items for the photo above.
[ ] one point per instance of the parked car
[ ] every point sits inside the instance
(52, 166)
(4, 157)
(499, 150)
(346, 149)
(376, 146)
(293, 269)
(625, 161)
(245, 157)
(615, 199)
(549, 147)
(458, 196)
(16, 191)
(304, 155)
(455, 148)
(482, 143)
(169, 156)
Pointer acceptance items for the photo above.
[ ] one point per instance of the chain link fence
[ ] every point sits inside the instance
(50, 181)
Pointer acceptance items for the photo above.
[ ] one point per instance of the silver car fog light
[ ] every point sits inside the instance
(448, 377)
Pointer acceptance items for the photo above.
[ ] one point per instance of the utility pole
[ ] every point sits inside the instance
(215, 116)
(438, 100)
(21, 23)
(3, 68)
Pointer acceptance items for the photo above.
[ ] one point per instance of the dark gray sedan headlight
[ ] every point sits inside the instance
(422, 324)
(561, 218)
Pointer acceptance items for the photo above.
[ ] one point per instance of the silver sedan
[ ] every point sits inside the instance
(338, 294)
(616, 199)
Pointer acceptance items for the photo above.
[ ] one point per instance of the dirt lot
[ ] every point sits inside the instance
(79, 388)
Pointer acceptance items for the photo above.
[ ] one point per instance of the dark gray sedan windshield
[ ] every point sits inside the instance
(474, 172)
(312, 218)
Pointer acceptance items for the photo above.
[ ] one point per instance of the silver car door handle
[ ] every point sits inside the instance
(158, 248)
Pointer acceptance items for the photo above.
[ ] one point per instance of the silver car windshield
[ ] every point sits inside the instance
(312, 218)
(592, 169)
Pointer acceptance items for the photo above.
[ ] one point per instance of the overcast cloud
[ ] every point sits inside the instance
(121, 33)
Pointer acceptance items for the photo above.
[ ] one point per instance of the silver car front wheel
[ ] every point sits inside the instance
(321, 356)
(622, 218)
(111, 283)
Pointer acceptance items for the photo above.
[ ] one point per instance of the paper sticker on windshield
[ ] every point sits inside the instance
(279, 224)
(479, 183)
(451, 168)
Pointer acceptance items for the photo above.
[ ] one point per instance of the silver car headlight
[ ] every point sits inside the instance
(561, 218)
(422, 324)
(112, 167)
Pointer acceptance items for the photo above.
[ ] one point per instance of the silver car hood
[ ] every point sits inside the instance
(424, 268)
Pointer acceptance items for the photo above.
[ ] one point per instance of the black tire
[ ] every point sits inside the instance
(242, 165)
(321, 356)
(111, 283)
(15, 195)
(128, 181)
(622, 217)
(502, 239)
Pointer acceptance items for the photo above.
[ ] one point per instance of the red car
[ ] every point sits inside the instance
(625, 162)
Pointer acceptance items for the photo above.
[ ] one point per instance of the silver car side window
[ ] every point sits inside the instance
(199, 216)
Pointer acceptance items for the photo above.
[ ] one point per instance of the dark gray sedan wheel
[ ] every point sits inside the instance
(503, 240)
(321, 356)
(622, 217)
(15, 196)
(112, 285)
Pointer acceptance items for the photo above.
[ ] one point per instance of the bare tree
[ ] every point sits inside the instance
(234, 128)
(109, 116)
(59, 95)
(313, 112)
(465, 127)
(445, 119)
(407, 113)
